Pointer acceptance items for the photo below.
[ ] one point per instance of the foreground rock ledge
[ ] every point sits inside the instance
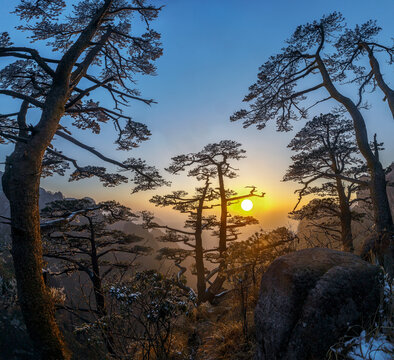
(309, 298)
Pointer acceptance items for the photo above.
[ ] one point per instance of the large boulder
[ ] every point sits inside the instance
(309, 298)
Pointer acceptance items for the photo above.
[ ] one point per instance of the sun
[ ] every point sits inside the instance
(247, 205)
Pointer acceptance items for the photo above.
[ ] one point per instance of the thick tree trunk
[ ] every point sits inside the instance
(21, 186)
(21, 181)
(382, 213)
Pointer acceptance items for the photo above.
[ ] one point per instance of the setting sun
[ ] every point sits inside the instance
(247, 205)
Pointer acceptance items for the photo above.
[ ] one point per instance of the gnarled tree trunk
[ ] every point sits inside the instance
(21, 186)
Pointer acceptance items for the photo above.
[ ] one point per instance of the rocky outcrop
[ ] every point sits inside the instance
(309, 298)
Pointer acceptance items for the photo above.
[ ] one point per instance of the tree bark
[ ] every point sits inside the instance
(21, 182)
(21, 186)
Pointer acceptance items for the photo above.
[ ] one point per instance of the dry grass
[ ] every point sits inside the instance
(226, 342)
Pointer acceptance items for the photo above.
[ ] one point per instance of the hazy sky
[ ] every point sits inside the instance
(212, 51)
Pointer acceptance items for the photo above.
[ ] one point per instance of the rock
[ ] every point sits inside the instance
(309, 298)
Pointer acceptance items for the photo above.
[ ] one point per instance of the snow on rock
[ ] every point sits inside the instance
(364, 347)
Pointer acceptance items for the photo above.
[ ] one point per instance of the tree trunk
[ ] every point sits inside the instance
(99, 293)
(21, 186)
(21, 181)
(199, 254)
(223, 215)
(382, 213)
(217, 284)
(384, 246)
(102, 312)
(345, 214)
(388, 92)
(345, 217)
(199, 249)
(200, 268)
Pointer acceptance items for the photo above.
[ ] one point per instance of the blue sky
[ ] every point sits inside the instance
(212, 51)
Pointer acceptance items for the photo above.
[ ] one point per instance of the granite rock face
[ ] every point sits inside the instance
(309, 298)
